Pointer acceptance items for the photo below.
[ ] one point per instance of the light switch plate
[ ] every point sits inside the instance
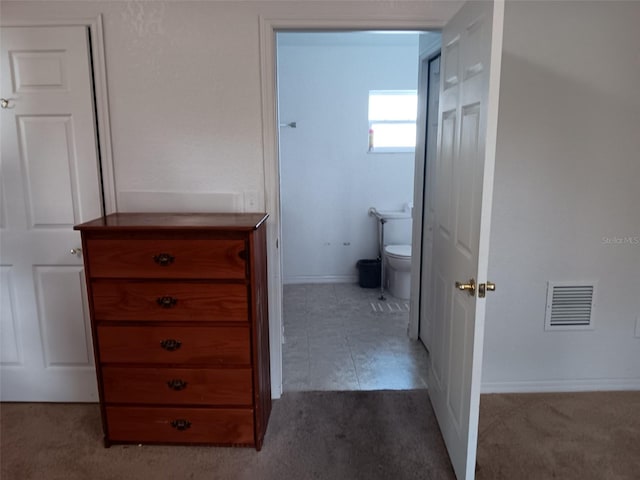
(637, 335)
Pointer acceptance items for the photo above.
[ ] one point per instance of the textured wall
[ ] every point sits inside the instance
(184, 88)
(567, 176)
(186, 102)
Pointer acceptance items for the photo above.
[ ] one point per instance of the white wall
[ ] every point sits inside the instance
(184, 92)
(184, 89)
(328, 180)
(567, 176)
(185, 108)
(184, 81)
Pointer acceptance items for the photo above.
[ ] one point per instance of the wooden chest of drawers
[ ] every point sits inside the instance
(180, 326)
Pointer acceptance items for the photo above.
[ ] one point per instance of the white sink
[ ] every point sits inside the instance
(389, 214)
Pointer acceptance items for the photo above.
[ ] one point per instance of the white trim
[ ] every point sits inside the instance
(103, 117)
(431, 49)
(540, 386)
(420, 163)
(350, 24)
(267, 31)
(301, 279)
(418, 203)
(94, 24)
(384, 150)
(272, 197)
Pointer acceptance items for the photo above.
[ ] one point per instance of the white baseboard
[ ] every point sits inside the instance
(542, 386)
(297, 279)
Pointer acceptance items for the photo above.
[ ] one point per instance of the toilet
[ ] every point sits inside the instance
(398, 270)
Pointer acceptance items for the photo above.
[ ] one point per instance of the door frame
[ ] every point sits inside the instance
(101, 97)
(419, 191)
(268, 27)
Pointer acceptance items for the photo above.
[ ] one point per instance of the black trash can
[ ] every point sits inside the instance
(368, 273)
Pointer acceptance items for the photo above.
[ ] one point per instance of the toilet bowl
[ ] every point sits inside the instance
(398, 271)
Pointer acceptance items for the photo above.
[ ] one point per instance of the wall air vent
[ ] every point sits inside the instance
(569, 306)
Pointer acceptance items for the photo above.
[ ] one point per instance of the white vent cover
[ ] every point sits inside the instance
(569, 306)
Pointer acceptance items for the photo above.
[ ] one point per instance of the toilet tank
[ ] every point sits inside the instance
(398, 232)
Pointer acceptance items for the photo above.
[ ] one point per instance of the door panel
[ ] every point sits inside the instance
(466, 224)
(63, 323)
(444, 173)
(39, 71)
(451, 59)
(50, 181)
(46, 143)
(457, 360)
(9, 346)
(463, 184)
(438, 362)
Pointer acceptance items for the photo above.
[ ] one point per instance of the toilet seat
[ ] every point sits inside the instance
(398, 251)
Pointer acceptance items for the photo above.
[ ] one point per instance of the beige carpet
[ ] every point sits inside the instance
(344, 435)
(580, 436)
(311, 435)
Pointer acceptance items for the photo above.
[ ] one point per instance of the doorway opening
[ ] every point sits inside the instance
(337, 163)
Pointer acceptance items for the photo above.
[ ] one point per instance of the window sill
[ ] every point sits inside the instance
(391, 150)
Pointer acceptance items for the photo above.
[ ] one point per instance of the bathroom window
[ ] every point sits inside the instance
(392, 120)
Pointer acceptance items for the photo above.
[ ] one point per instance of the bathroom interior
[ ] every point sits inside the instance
(347, 160)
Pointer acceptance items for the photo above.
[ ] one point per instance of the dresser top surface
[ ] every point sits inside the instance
(175, 221)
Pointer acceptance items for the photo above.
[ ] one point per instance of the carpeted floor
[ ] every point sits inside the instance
(345, 435)
(581, 436)
(312, 435)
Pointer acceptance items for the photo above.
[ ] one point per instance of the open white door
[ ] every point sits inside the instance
(470, 72)
(50, 181)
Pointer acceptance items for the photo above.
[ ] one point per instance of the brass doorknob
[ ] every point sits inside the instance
(484, 287)
(470, 286)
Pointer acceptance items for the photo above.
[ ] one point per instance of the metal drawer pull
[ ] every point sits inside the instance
(177, 384)
(170, 344)
(167, 302)
(181, 424)
(164, 259)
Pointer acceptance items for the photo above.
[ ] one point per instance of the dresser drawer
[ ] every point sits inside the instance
(121, 258)
(180, 425)
(164, 386)
(173, 345)
(153, 300)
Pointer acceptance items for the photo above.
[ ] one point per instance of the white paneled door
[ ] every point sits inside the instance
(469, 86)
(50, 181)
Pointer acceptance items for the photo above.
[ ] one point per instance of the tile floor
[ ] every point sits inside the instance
(341, 337)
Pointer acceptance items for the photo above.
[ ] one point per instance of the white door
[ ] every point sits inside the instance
(428, 209)
(50, 181)
(471, 49)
